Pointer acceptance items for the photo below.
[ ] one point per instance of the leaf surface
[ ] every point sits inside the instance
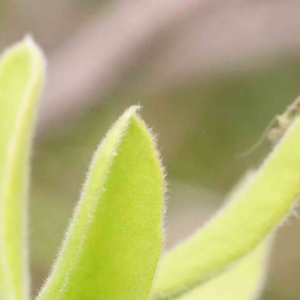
(242, 281)
(21, 78)
(253, 213)
(114, 241)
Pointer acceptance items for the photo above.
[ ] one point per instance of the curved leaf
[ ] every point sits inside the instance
(114, 241)
(240, 226)
(242, 281)
(21, 78)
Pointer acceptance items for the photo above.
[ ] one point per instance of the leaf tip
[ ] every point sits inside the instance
(132, 110)
(34, 48)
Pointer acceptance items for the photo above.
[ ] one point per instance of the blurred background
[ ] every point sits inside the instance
(210, 75)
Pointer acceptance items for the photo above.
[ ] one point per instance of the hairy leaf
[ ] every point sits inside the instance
(114, 241)
(242, 224)
(21, 78)
(243, 280)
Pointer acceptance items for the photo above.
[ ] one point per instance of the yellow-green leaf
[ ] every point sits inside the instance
(235, 231)
(114, 241)
(244, 280)
(21, 78)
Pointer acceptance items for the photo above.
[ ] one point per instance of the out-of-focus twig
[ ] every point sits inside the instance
(95, 58)
(205, 38)
(241, 35)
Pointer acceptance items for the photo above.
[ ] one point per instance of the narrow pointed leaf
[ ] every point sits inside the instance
(255, 211)
(114, 241)
(243, 280)
(21, 78)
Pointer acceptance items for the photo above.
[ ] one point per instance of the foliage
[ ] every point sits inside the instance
(112, 249)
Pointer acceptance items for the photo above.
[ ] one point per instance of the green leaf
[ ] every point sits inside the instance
(242, 224)
(114, 241)
(21, 78)
(242, 281)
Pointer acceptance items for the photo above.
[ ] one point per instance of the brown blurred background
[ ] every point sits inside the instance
(209, 75)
